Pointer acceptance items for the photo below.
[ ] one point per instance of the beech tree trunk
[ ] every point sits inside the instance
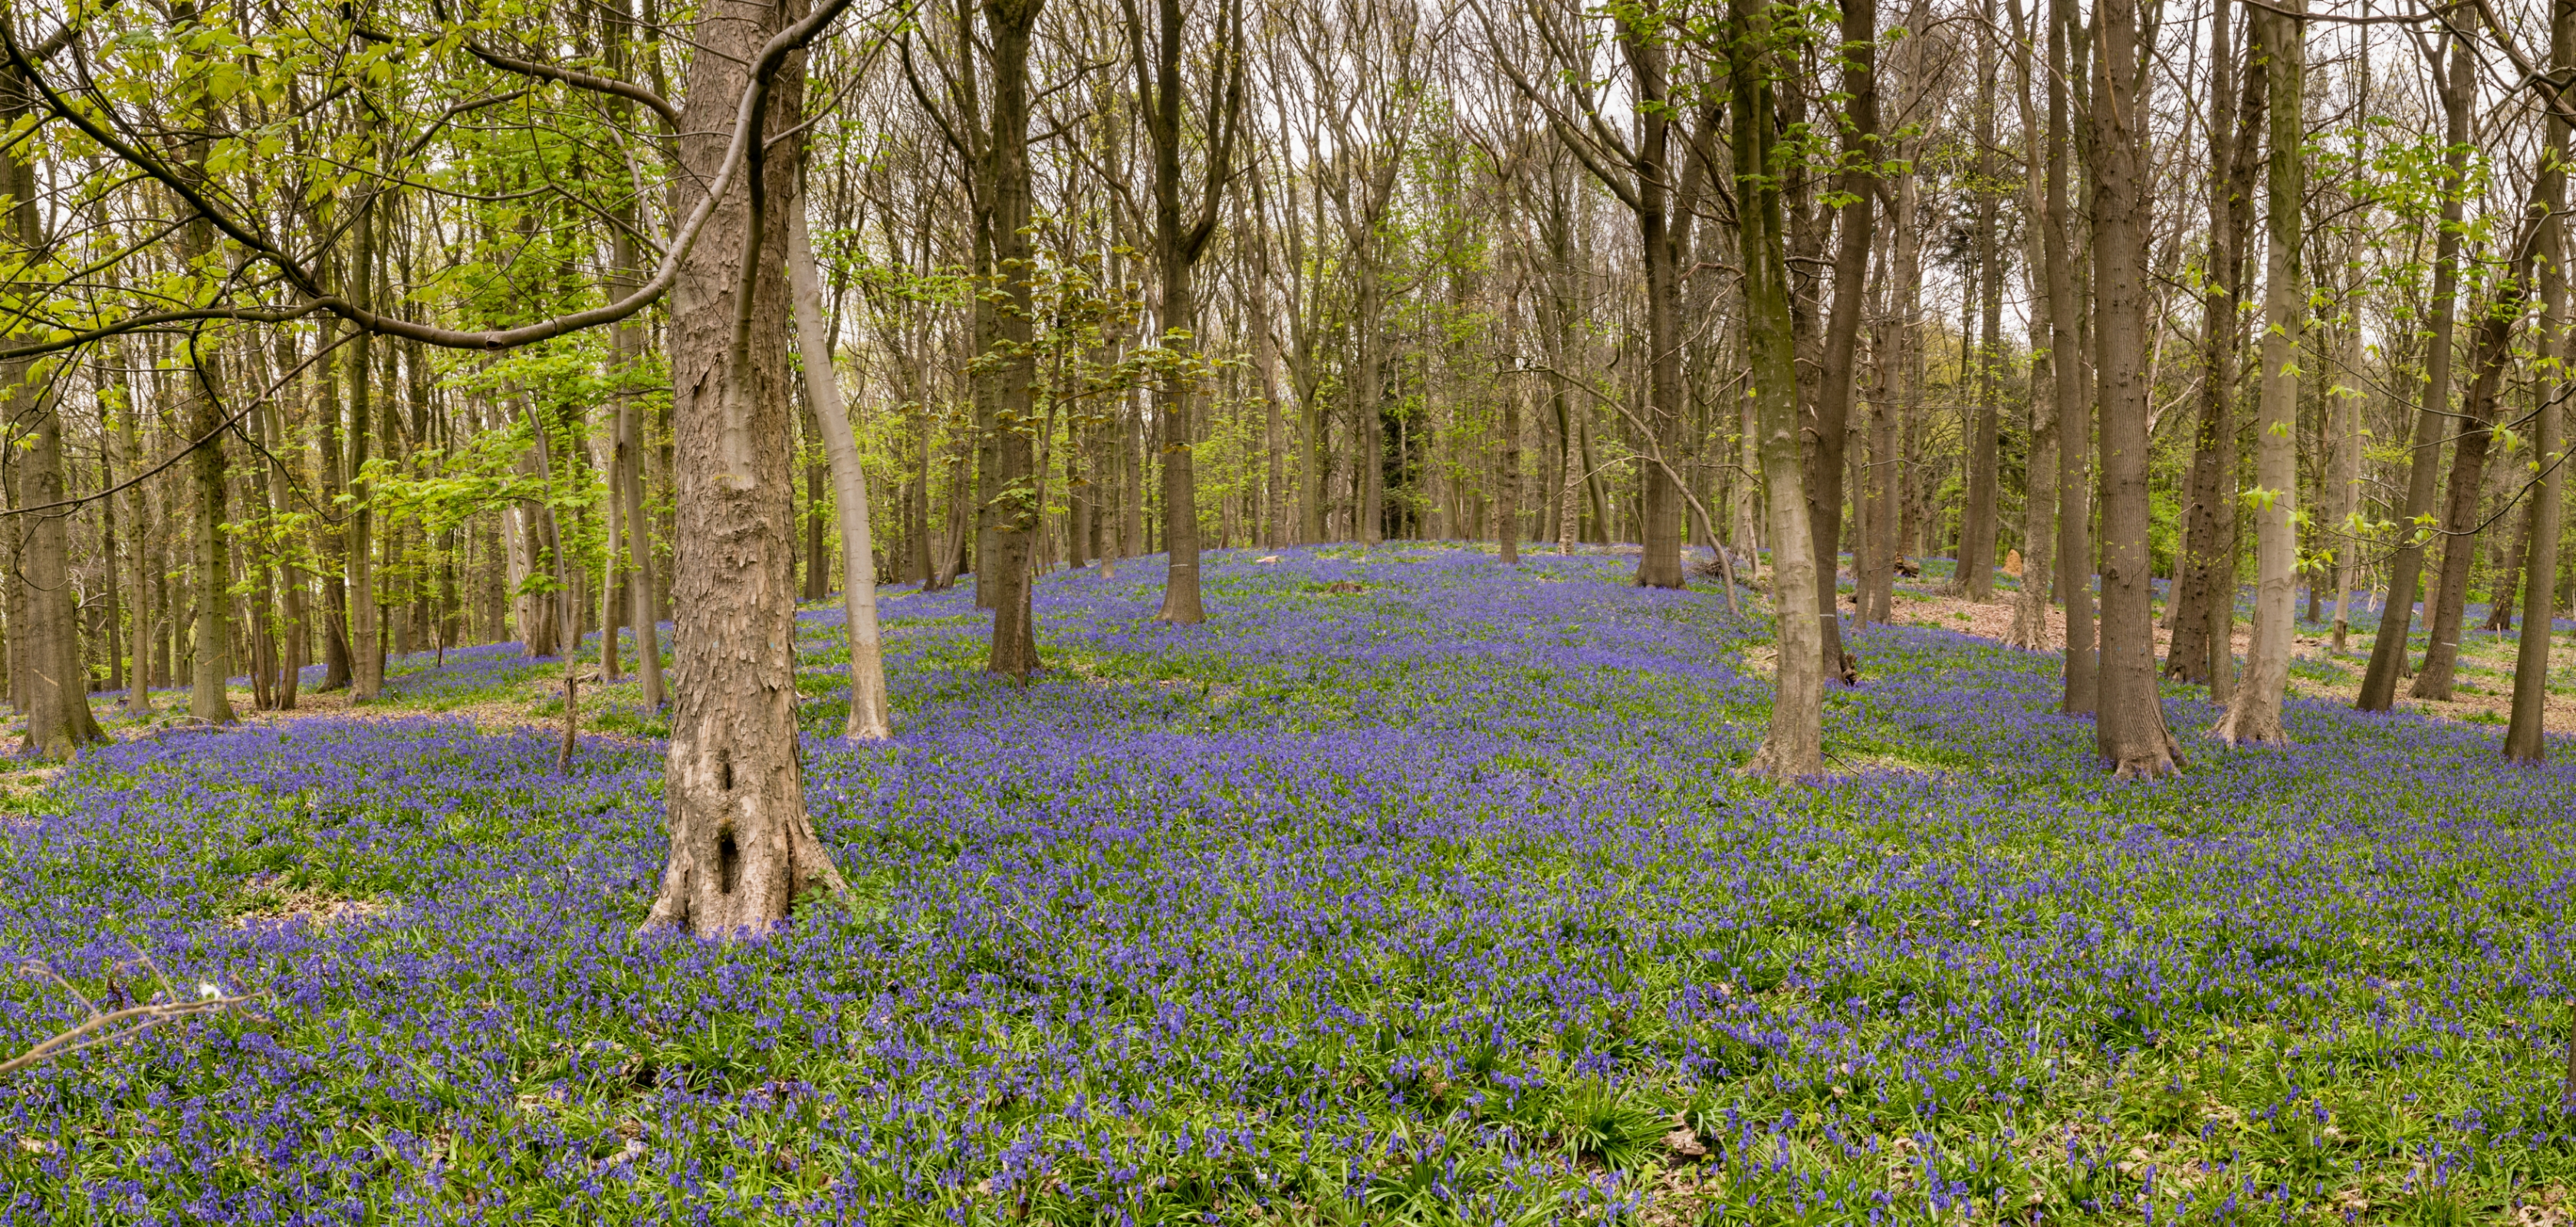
(2130, 728)
(2073, 390)
(870, 719)
(742, 848)
(52, 681)
(1859, 191)
(2388, 649)
(1002, 574)
(1793, 747)
(1977, 522)
(2205, 596)
(367, 664)
(2524, 739)
(2254, 708)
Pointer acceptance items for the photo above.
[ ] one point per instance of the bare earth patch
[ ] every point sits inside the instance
(314, 906)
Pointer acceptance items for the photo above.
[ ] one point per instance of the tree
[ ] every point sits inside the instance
(2523, 735)
(2455, 86)
(2254, 708)
(1793, 747)
(1178, 244)
(2129, 727)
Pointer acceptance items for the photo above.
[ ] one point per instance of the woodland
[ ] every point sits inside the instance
(1286, 612)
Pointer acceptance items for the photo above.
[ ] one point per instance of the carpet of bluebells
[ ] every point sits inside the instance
(1408, 889)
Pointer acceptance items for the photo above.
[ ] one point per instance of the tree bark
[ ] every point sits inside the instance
(2456, 87)
(2493, 351)
(2254, 708)
(367, 664)
(1978, 522)
(1793, 747)
(2204, 597)
(741, 847)
(2130, 728)
(2524, 739)
(870, 718)
(1859, 191)
(2073, 390)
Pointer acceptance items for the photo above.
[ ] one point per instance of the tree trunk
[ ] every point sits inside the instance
(1859, 189)
(1660, 234)
(2524, 739)
(2130, 727)
(1003, 571)
(2456, 87)
(367, 676)
(2493, 351)
(742, 849)
(129, 415)
(1793, 747)
(870, 719)
(2073, 390)
(1978, 523)
(2254, 709)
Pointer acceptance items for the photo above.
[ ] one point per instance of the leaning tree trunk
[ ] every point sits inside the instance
(2130, 728)
(742, 848)
(2468, 483)
(869, 718)
(2254, 709)
(1793, 747)
(2433, 420)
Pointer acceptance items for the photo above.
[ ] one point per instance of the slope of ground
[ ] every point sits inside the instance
(1409, 889)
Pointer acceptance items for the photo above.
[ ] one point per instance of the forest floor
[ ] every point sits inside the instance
(1409, 889)
(2482, 690)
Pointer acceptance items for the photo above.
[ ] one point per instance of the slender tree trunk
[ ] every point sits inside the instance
(2348, 405)
(2524, 741)
(1859, 191)
(291, 578)
(1978, 523)
(2204, 599)
(1507, 481)
(367, 675)
(870, 718)
(2456, 87)
(2254, 709)
(1793, 747)
(129, 415)
(1907, 470)
(1660, 233)
(2073, 390)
